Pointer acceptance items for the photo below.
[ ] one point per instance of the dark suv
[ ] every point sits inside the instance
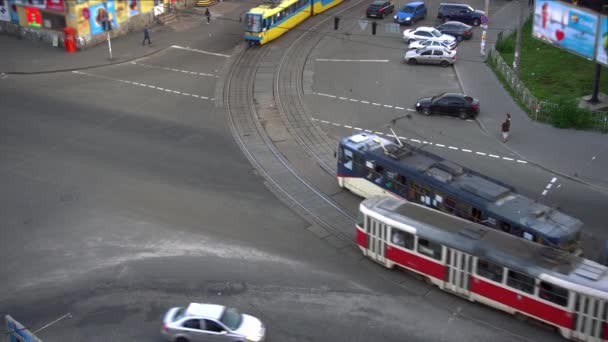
(460, 12)
(379, 9)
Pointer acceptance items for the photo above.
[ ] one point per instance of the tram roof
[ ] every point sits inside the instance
(493, 245)
(486, 193)
(272, 7)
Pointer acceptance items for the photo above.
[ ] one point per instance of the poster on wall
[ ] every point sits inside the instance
(121, 11)
(5, 11)
(97, 15)
(133, 7)
(55, 5)
(36, 3)
(566, 27)
(13, 11)
(33, 17)
(602, 41)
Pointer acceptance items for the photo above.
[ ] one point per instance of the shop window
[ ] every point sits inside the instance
(429, 248)
(520, 281)
(553, 293)
(402, 239)
(489, 270)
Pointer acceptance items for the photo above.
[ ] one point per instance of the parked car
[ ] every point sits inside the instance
(460, 12)
(411, 12)
(429, 42)
(210, 322)
(379, 9)
(431, 55)
(455, 104)
(425, 33)
(457, 29)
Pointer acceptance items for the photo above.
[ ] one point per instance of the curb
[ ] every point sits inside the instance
(559, 173)
(82, 68)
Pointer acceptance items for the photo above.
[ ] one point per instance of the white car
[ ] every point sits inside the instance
(429, 42)
(426, 33)
(431, 55)
(211, 322)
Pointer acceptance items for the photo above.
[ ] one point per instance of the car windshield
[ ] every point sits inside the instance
(406, 9)
(231, 318)
(253, 22)
(179, 313)
(437, 97)
(469, 8)
(436, 33)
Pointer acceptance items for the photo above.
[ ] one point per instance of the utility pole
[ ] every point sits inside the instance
(485, 20)
(518, 41)
(107, 25)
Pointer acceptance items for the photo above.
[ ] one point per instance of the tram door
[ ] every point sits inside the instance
(458, 271)
(590, 321)
(377, 233)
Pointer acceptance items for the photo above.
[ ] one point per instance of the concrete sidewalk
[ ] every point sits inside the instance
(27, 57)
(569, 153)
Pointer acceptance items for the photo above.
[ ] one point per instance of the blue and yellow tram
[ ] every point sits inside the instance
(269, 21)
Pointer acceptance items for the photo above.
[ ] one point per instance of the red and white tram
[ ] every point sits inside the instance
(488, 266)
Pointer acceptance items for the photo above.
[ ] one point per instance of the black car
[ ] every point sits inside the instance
(379, 9)
(454, 104)
(460, 12)
(457, 29)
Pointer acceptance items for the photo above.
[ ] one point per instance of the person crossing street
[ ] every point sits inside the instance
(208, 15)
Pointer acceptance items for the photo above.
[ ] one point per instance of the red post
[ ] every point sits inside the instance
(70, 39)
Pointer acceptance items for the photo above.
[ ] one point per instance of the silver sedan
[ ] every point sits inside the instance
(431, 55)
(211, 322)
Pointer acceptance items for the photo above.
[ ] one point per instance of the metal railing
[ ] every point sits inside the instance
(537, 109)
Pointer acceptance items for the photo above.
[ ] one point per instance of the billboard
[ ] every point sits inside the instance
(602, 41)
(98, 13)
(566, 26)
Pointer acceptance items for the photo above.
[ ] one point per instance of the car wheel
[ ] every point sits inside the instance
(459, 38)
(444, 64)
(463, 115)
(476, 22)
(181, 339)
(426, 112)
(412, 61)
(445, 19)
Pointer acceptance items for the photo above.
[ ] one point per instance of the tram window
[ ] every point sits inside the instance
(489, 270)
(402, 239)
(520, 281)
(449, 204)
(528, 236)
(475, 214)
(347, 159)
(359, 162)
(429, 248)
(516, 231)
(360, 219)
(553, 293)
(505, 227)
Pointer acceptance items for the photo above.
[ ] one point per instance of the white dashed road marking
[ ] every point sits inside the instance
(549, 186)
(199, 51)
(353, 60)
(365, 102)
(175, 70)
(140, 84)
(427, 143)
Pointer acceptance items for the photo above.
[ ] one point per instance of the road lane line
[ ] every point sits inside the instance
(522, 161)
(440, 145)
(352, 60)
(453, 148)
(388, 106)
(199, 51)
(509, 159)
(465, 150)
(494, 156)
(366, 102)
(481, 153)
(400, 108)
(376, 104)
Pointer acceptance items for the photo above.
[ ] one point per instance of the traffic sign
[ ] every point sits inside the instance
(363, 24)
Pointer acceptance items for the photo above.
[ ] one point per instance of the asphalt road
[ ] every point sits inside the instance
(121, 199)
(374, 87)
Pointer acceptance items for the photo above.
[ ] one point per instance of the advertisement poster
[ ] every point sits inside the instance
(133, 7)
(5, 11)
(98, 13)
(14, 14)
(602, 42)
(55, 5)
(121, 11)
(566, 27)
(33, 17)
(35, 3)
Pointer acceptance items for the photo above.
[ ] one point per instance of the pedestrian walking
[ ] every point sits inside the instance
(146, 36)
(208, 15)
(506, 127)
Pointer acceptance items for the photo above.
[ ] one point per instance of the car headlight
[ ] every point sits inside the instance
(254, 338)
(395, 17)
(408, 18)
(417, 104)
